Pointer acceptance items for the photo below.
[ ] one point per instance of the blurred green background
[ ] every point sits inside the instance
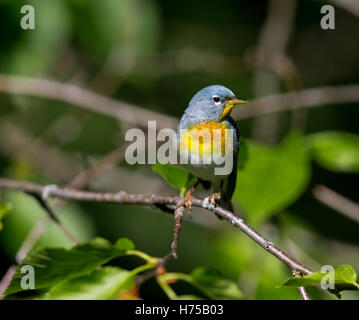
(157, 54)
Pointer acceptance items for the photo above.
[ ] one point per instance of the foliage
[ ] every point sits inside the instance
(175, 176)
(336, 151)
(82, 272)
(157, 54)
(56, 265)
(344, 277)
(4, 209)
(285, 171)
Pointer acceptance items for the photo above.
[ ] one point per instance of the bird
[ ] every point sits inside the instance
(210, 109)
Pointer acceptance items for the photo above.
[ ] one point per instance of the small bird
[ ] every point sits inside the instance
(210, 109)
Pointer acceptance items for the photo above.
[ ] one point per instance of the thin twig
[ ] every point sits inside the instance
(51, 214)
(337, 202)
(150, 199)
(107, 162)
(304, 294)
(4, 283)
(81, 180)
(179, 212)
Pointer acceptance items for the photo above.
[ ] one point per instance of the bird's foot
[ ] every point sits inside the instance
(187, 201)
(47, 190)
(211, 201)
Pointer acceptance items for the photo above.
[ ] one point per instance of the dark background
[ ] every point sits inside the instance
(157, 54)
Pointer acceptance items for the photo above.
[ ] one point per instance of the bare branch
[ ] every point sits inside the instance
(272, 44)
(51, 214)
(132, 114)
(304, 294)
(179, 212)
(6, 279)
(350, 5)
(83, 98)
(151, 199)
(81, 180)
(306, 98)
(337, 202)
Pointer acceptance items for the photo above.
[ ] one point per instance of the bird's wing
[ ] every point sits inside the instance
(229, 184)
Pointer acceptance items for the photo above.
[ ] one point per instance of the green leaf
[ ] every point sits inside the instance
(345, 278)
(4, 209)
(103, 284)
(175, 176)
(273, 178)
(54, 265)
(213, 285)
(335, 151)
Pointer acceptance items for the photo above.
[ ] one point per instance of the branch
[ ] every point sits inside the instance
(83, 98)
(51, 214)
(179, 212)
(350, 5)
(152, 199)
(306, 98)
(304, 294)
(337, 202)
(273, 38)
(81, 180)
(135, 115)
(6, 279)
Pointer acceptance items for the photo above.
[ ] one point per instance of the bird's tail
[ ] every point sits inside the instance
(226, 204)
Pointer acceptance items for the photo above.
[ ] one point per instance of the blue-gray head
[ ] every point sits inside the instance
(213, 103)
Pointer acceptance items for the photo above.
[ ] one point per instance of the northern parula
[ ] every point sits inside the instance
(208, 110)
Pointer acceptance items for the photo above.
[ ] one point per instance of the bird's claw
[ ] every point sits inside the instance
(187, 202)
(210, 201)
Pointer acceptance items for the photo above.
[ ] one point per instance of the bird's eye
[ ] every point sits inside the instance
(216, 99)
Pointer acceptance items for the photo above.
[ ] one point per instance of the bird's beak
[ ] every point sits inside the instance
(235, 101)
(230, 104)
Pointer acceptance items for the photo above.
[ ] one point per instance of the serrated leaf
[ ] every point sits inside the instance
(54, 265)
(106, 283)
(345, 278)
(213, 285)
(335, 151)
(273, 178)
(175, 176)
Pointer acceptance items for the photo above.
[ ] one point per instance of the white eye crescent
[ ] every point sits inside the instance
(216, 99)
